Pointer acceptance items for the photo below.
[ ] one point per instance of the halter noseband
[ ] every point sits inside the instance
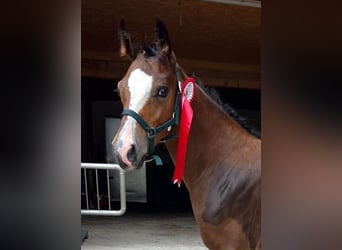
(152, 132)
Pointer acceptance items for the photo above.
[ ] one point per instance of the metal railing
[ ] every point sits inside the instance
(98, 211)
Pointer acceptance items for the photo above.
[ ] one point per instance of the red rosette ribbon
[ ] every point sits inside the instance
(187, 95)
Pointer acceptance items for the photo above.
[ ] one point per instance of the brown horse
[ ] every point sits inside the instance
(222, 168)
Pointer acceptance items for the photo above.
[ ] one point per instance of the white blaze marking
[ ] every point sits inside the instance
(139, 85)
(126, 135)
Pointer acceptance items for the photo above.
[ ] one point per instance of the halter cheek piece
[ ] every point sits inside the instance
(151, 133)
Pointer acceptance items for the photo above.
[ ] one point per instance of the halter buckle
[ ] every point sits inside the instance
(151, 133)
(169, 128)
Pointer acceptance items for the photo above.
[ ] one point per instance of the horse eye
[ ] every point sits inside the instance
(162, 92)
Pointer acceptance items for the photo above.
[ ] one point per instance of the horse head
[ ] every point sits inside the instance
(148, 94)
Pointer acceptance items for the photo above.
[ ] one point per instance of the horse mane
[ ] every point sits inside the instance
(243, 121)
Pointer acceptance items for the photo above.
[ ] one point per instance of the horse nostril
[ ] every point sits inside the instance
(131, 154)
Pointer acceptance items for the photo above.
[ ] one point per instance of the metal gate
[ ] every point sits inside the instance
(98, 211)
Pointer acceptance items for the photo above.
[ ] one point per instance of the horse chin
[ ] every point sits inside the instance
(140, 163)
(135, 165)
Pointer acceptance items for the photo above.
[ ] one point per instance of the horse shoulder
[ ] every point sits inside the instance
(231, 203)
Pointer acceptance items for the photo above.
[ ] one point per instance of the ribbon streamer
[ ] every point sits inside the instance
(184, 129)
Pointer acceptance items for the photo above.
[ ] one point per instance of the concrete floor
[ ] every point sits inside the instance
(142, 230)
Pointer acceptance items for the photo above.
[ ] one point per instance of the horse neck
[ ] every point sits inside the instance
(212, 132)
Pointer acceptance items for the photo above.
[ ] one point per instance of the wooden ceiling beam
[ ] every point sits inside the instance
(110, 66)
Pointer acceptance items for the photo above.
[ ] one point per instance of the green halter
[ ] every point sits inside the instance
(153, 132)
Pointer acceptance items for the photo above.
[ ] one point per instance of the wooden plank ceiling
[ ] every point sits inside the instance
(220, 43)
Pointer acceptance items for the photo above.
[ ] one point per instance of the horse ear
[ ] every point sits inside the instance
(126, 47)
(163, 38)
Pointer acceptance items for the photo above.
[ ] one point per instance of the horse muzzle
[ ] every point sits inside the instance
(128, 156)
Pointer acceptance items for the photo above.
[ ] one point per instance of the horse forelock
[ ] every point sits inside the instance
(149, 51)
(154, 50)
